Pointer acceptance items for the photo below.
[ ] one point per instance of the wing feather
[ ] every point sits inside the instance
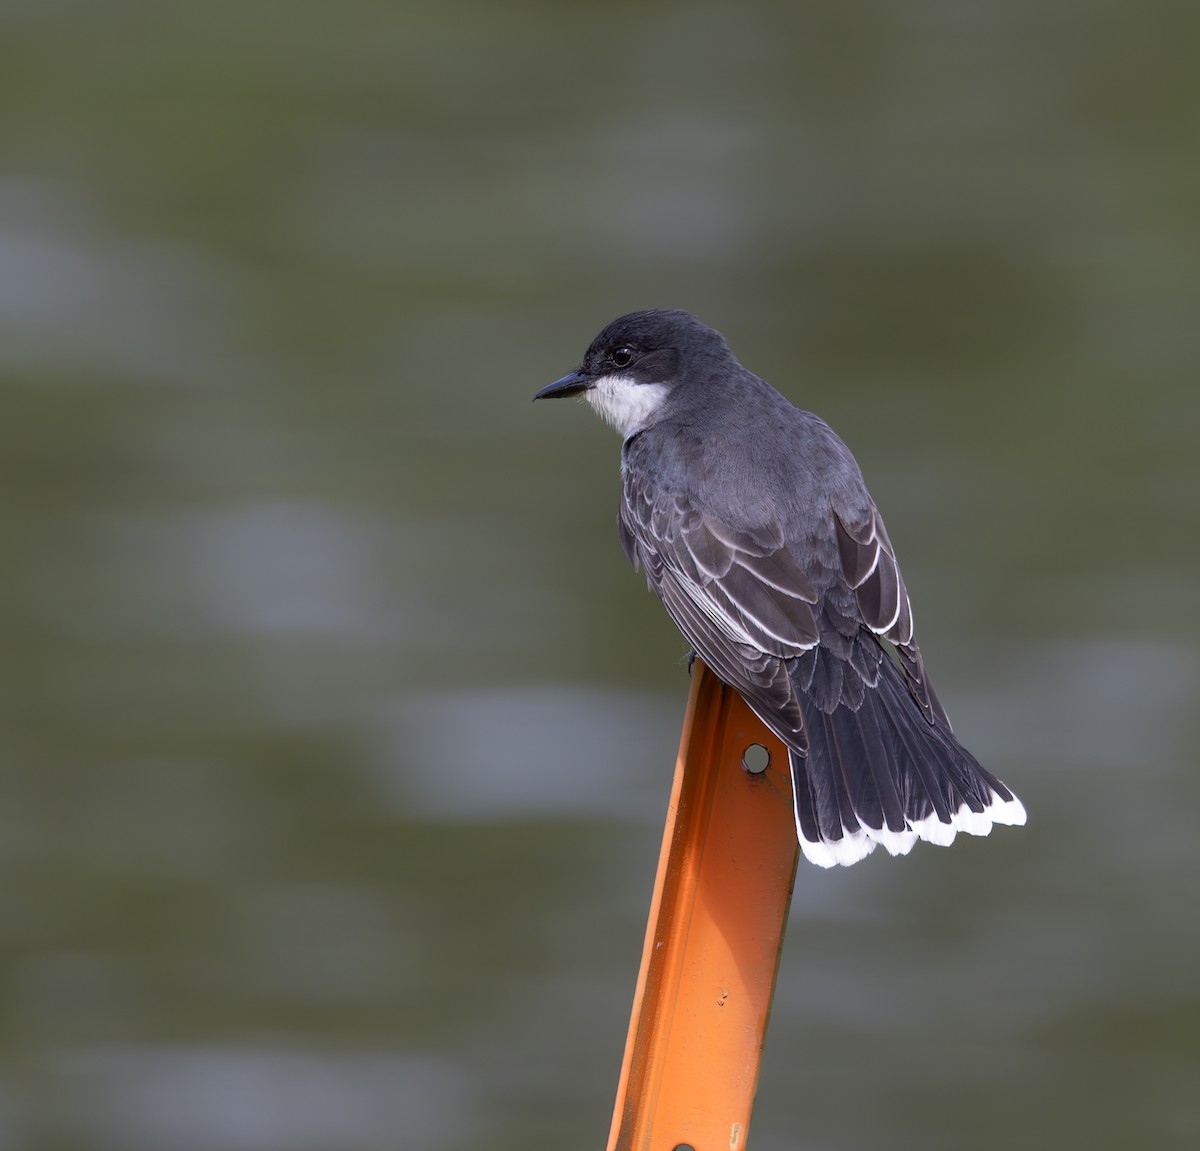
(762, 679)
(740, 597)
(870, 568)
(744, 591)
(751, 609)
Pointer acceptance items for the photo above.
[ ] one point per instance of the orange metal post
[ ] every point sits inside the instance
(716, 927)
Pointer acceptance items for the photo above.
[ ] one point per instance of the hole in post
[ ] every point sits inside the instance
(756, 759)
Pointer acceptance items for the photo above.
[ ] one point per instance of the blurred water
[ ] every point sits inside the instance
(335, 733)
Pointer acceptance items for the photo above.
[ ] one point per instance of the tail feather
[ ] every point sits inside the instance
(881, 773)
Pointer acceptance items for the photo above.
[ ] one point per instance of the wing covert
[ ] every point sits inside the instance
(748, 588)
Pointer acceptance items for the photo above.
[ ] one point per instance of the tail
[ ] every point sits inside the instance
(882, 773)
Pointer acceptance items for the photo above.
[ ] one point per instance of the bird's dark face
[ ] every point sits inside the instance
(633, 366)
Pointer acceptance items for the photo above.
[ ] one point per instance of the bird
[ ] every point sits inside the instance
(752, 522)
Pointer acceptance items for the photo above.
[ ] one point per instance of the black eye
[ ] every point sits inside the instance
(622, 357)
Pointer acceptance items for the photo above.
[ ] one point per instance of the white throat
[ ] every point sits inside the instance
(626, 404)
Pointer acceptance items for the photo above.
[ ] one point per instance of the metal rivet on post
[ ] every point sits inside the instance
(756, 759)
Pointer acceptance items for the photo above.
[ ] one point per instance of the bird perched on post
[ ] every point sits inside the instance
(751, 521)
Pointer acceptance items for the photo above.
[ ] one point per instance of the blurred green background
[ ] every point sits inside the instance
(335, 732)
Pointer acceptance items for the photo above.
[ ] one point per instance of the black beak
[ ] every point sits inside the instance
(570, 385)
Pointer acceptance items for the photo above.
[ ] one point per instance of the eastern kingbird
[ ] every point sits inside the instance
(753, 524)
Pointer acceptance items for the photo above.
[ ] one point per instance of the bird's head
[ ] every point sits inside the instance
(639, 363)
